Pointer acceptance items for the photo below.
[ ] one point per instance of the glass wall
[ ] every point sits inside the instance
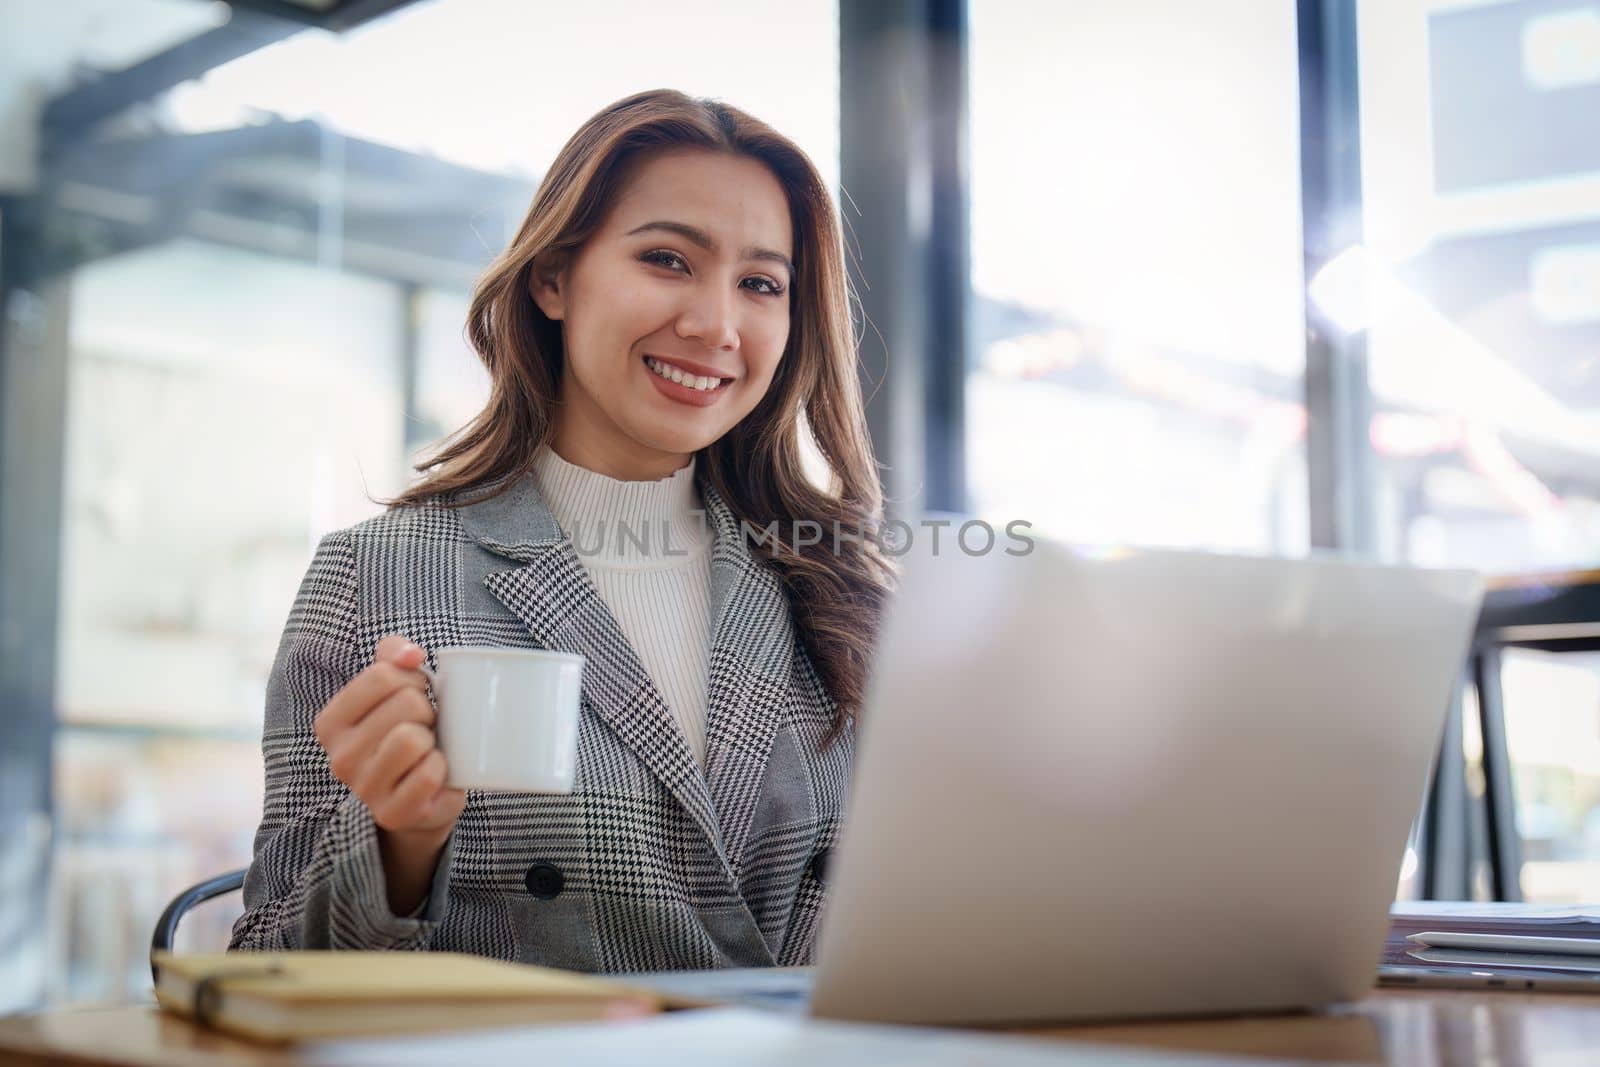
(266, 332)
(1480, 301)
(225, 409)
(1482, 191)
(1140, 353)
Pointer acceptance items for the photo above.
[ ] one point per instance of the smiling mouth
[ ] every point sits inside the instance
(688, 381)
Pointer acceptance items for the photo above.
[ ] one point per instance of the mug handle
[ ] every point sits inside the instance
(434, 686)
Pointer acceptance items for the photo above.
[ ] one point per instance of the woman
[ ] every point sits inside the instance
(673, 303)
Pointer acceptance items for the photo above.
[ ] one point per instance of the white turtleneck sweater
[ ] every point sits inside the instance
(647, 548)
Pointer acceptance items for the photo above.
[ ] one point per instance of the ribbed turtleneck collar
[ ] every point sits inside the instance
(613, 522)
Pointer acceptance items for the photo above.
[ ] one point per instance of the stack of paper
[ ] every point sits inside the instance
(1472, 913)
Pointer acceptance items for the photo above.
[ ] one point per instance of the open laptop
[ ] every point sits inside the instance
(1152, 785)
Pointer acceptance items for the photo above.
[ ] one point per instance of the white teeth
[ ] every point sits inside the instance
(672, 373)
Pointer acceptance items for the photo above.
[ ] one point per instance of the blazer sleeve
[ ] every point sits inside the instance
(317, 880)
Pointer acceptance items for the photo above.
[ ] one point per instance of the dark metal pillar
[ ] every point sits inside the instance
(1338, 401)
(903, 145)
(1443, 854)
(33, 392)
(1505, 843)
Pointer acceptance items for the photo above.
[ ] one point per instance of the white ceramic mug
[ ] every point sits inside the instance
(508, 717)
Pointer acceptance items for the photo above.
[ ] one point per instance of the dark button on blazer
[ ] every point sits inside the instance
(545, 880)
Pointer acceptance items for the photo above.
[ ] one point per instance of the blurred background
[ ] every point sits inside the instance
(1241, 275)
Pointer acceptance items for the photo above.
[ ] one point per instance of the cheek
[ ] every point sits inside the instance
(607, 322)
(638, 301)
(769, 340)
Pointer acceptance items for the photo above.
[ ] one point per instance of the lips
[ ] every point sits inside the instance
(686, 389)
(690, 367)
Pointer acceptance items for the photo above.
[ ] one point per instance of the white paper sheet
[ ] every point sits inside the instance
(726, 1037)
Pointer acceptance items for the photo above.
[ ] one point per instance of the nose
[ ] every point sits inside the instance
(711, 318)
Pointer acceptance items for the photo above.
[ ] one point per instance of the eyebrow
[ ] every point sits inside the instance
(705, 241)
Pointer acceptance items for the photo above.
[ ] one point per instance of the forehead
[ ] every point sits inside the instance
(735, 199)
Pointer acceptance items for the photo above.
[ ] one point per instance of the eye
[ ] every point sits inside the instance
(662, 258)
(772, 287)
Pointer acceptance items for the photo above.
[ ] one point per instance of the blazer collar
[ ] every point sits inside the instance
(517, 523)
(752, 651)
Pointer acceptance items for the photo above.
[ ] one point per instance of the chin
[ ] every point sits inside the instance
(678, 439)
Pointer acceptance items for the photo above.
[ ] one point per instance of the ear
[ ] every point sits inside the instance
(547, 283)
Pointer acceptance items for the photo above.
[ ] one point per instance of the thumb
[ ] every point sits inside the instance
(399, 650)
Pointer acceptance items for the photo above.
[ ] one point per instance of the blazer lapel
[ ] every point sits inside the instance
(752, 655)
(552, 594)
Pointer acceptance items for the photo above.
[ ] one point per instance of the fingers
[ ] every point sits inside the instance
(365, 692)
(401, 780)
(399, 750)
(420, 800)
(413, 798)
(352, 752)
(405, 704)
(378, 734)
(447, 804)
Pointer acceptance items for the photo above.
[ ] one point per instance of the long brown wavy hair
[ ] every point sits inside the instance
(837, 598)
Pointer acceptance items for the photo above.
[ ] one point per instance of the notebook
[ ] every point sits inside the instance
(1470, 914)
(290, 996)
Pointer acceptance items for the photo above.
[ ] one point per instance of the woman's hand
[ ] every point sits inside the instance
(378, 734)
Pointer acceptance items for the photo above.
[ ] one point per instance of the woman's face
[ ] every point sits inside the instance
(688, 277)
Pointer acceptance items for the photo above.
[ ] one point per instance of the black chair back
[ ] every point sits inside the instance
(167, 925)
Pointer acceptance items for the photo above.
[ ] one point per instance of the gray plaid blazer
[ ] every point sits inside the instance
(651, 862)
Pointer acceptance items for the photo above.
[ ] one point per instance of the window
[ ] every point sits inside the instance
(1480, 279)
(1139, 337)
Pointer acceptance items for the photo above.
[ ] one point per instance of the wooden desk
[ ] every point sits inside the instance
(1418, 1029)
